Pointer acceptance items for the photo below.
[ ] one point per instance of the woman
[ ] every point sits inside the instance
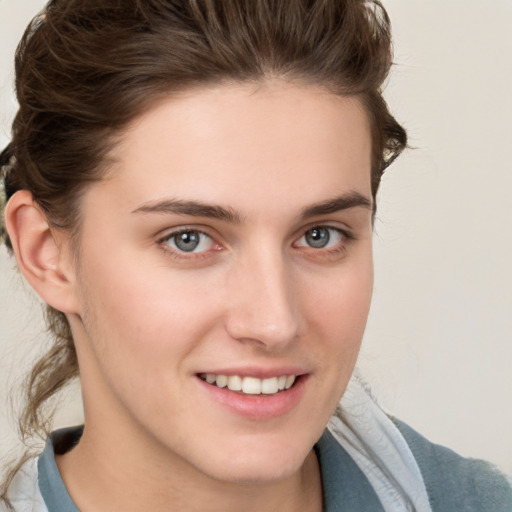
(191, 189)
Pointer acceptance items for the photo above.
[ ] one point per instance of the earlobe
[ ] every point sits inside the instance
(42, 257)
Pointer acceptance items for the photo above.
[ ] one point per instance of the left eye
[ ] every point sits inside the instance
(189, 240)
(320, 237)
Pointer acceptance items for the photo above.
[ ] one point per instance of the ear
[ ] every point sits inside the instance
(43, 255)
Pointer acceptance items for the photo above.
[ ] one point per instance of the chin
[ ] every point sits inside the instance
(257, 472)
(257, 465)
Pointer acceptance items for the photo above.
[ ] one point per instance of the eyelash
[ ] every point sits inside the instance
(184, 255)
(176, 253)
(339, 249)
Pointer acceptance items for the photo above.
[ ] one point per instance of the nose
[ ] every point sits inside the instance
(263, 301)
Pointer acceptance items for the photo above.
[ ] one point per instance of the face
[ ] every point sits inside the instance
(225, 256)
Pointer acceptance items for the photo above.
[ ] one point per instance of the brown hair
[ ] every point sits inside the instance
(85, 68)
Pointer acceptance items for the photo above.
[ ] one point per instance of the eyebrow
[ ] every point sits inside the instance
(193, 208)
(199, 209)
(344, 202)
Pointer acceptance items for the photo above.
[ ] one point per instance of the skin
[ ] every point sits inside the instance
(148, 318)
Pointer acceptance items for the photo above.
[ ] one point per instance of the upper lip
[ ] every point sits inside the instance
(258, 371)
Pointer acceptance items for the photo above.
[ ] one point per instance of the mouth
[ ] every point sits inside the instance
(250, 385)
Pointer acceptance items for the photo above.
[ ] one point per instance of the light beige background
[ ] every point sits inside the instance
(438, 349)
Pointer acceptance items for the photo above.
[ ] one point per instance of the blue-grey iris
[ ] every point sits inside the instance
(317, 238)
(187, 241)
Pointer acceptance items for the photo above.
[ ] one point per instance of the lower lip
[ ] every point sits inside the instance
(258, 406)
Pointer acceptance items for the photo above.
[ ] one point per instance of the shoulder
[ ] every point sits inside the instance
(454, 482)
(23, 492)
(37, 486)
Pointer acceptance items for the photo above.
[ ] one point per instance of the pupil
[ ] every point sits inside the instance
(318, 237)
(187, 241)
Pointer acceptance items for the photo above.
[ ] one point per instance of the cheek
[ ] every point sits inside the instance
(338, 314)
(340, 301)
(162, 303)
(338, 309)
(141, 328)
(145, 313)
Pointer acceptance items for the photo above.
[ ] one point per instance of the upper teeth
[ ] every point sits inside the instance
(250, 385)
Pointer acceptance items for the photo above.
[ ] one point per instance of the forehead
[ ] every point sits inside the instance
(248, 144)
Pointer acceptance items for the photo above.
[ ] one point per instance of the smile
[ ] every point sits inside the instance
(250, 385)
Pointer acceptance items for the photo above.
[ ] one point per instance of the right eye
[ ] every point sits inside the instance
(189, 241)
